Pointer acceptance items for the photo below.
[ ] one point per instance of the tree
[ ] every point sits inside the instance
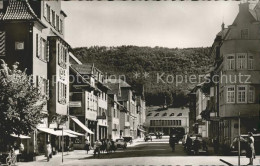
(21, 102)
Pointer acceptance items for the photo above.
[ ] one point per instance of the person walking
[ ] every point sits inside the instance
(188, 144)
(97, 148)
(48, 151)
(196, 145)
(251, 149)
(87, 145)
(216, 145)
(172, 142)
(108, 146)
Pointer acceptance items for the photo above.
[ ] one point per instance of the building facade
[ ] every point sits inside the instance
(163, 120)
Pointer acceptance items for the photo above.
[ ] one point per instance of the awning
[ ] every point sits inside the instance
(73, 132)
(141, 130)
(56, 132)
(21, 136)
(82, 125)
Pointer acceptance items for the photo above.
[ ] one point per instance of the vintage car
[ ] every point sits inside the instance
(148, 137)
(120, 143)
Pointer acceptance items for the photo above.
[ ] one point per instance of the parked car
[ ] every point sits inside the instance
(120, 143)
(244, 145)
(198, 146)
(148, 137)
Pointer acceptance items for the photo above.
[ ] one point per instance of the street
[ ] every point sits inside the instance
(157, 152)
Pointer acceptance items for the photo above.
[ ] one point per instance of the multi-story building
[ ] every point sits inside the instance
(32, 34)
(236, 51)
(113, 111)
(95, 99)
(127, 114)
(141, 110)
(162, 120)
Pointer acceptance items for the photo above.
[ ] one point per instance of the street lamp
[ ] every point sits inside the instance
(60, 120)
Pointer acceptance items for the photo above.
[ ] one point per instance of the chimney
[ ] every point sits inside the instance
(244, 7)
(222, 26)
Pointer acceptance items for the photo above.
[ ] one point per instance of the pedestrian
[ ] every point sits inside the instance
(48, 151)
(196, 145)
(251, 149)
(172, 142)
(97, 148)
(108, 146)
(216, 145)
(188, 144)
(87, 144)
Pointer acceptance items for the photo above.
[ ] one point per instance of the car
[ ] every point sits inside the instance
(202, 145)
(120, 143)
(148, 137)
(244, 145)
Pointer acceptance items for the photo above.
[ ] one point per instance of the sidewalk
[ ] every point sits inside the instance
(56, 160)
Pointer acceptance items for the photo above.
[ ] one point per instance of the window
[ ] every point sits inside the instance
(180, 122)
(230, 62)
(172, 114)
(43, 49)
(2, 43)
(57, 23)
(62, 92)
(241, 61)
(250, 62)
(156, 114)
(244, 34)
(43, 85)
(53, 18)
(150, 114)
(165, 114)
(180, 114)
(128, 118)
(231, 94)
(61, 26)
(48, 12)
(114, 113)
(241, 94)
(1, 4)
(62, 54)
(251, 94)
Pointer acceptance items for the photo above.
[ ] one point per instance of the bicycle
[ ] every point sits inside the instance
(11, 159)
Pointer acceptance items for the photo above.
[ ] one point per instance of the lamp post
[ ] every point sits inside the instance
(239, 139)
(60, 120)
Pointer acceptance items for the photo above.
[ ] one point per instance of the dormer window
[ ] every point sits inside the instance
(244, 34)
(165, 114)
(180, 114)
(156, 114)
(150, 114)
(172, 114)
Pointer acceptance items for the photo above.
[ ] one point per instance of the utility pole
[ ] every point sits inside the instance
(62, 143)
(239, 139)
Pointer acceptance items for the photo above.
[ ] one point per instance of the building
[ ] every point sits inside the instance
(128, 117)
(236, 52)
(141, 110)
(114, 108)
(162, 120)
(32, 33)
(94, 97)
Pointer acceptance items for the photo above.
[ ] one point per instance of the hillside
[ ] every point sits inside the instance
(151, 67)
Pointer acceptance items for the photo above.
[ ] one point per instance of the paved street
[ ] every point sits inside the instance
(157, 152)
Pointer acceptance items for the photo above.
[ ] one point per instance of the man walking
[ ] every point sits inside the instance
(97, 148)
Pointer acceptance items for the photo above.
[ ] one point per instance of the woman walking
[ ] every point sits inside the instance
(251, 149)
(87, 144)
(48, 151)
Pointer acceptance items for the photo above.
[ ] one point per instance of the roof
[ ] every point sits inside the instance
(19, 10)
(114, 88)
(223, 32)
(83, 69)
(167, 112)
(122, 83)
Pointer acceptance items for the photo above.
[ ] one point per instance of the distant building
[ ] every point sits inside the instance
(162, 120)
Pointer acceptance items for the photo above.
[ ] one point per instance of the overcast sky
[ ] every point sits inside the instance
(165, 24)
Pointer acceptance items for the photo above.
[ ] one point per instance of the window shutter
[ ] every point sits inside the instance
(2, 43)
(37, 45)
(65, 91)
(37, 81)
(48, 88)
(47, 51)
(58, 53)
(45, 9)
(59, 91)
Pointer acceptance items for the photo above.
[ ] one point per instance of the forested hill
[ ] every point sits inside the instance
(152, 67)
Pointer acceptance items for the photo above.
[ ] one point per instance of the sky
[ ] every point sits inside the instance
(140, 23)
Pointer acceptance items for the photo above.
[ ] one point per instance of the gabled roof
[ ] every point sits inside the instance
(122, 83)
(19, 10)
(114, 88)
(83, 69)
